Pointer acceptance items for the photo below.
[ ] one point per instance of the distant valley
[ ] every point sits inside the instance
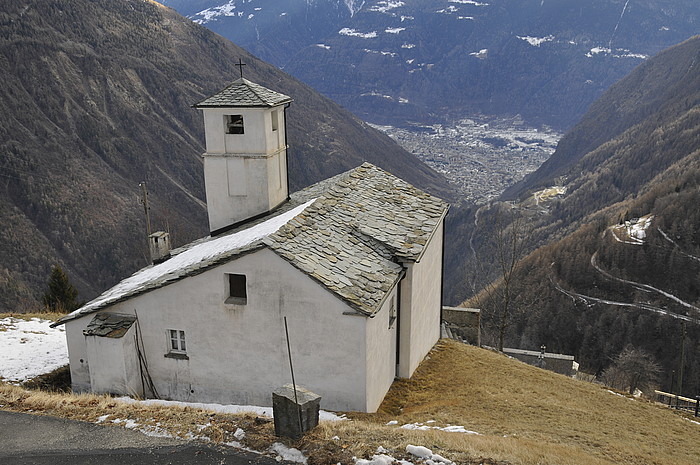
(429, 61)
(480, 156)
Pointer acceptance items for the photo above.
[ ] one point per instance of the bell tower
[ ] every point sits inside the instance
(245, 163)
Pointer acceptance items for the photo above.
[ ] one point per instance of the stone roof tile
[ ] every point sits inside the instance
(244, 93)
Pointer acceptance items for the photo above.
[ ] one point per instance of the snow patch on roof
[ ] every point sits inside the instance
(198, 255)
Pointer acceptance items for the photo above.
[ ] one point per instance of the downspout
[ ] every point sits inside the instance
(398, 322)
(442, 271)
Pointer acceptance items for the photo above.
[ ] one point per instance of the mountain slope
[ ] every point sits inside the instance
(393, 61)
(623, 261)
(96, 98)
(656, 93)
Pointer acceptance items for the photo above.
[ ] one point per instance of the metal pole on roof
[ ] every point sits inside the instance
(146, 207)
(294, 384)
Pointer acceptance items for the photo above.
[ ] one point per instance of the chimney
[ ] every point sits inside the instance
(159, 244)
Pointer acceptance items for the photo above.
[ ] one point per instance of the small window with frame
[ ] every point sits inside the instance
(237, 289)
(234, 124)
(177, 347)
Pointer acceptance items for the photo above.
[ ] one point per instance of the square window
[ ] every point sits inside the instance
(237, 291)
(234, 124)
(177, 341)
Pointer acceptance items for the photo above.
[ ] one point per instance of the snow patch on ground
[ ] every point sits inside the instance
(288, 453)
(618, 53)
(378, 52)
(468, 2)
(385, 6)
(448, 428)
(30, 348)
(481, 54)
(219, 408)
(536, 41)
(346, 31)
(633, 231)
(210, 14)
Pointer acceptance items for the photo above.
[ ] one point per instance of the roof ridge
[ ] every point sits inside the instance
(253, 88)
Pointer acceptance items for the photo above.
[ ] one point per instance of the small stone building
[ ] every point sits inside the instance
(354, 263)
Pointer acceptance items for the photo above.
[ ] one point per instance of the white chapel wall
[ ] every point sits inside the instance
(381, 354)
(258, 136)
(420, 306)
(238, 353)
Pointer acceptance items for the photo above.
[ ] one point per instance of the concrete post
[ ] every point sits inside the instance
(289, 414)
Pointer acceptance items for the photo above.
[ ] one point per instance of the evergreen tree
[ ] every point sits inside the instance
(60, 295)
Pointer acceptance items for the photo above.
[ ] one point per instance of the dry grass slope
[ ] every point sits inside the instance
(526, 416)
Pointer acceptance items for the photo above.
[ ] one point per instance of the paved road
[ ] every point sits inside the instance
(40, 440)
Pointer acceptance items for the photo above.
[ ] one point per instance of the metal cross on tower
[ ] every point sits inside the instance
(240, 65)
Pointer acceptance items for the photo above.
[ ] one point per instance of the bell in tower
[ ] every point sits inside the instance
(245, 163)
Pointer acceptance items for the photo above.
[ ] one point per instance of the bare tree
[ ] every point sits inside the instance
(506, 247)
(632, 369)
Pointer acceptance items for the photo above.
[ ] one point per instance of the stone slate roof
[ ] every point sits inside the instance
(243, 93)
(112, 325)
(353, 238)
(350, 233)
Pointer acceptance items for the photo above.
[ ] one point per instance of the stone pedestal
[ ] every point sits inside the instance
(289, 414)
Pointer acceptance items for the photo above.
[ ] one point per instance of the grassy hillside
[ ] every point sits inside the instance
(525, 416)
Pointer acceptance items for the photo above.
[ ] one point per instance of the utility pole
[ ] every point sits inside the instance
(146, 208)
(680, 369)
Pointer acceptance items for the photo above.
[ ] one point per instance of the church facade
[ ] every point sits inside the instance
(348, 271)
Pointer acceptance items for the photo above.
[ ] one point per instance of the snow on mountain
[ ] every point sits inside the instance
(539, 53)
(346, 31)
(536, 41)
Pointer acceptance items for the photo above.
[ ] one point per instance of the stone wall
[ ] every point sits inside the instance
(559, 363)
(465, 323)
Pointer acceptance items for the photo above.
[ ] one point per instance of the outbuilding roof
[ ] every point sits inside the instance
(350, 233)
(244, 93)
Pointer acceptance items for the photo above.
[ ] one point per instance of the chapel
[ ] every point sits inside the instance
(350, 269)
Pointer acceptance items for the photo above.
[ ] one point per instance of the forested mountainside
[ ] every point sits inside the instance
(622, 221)
(422, 60)
(96, 98)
